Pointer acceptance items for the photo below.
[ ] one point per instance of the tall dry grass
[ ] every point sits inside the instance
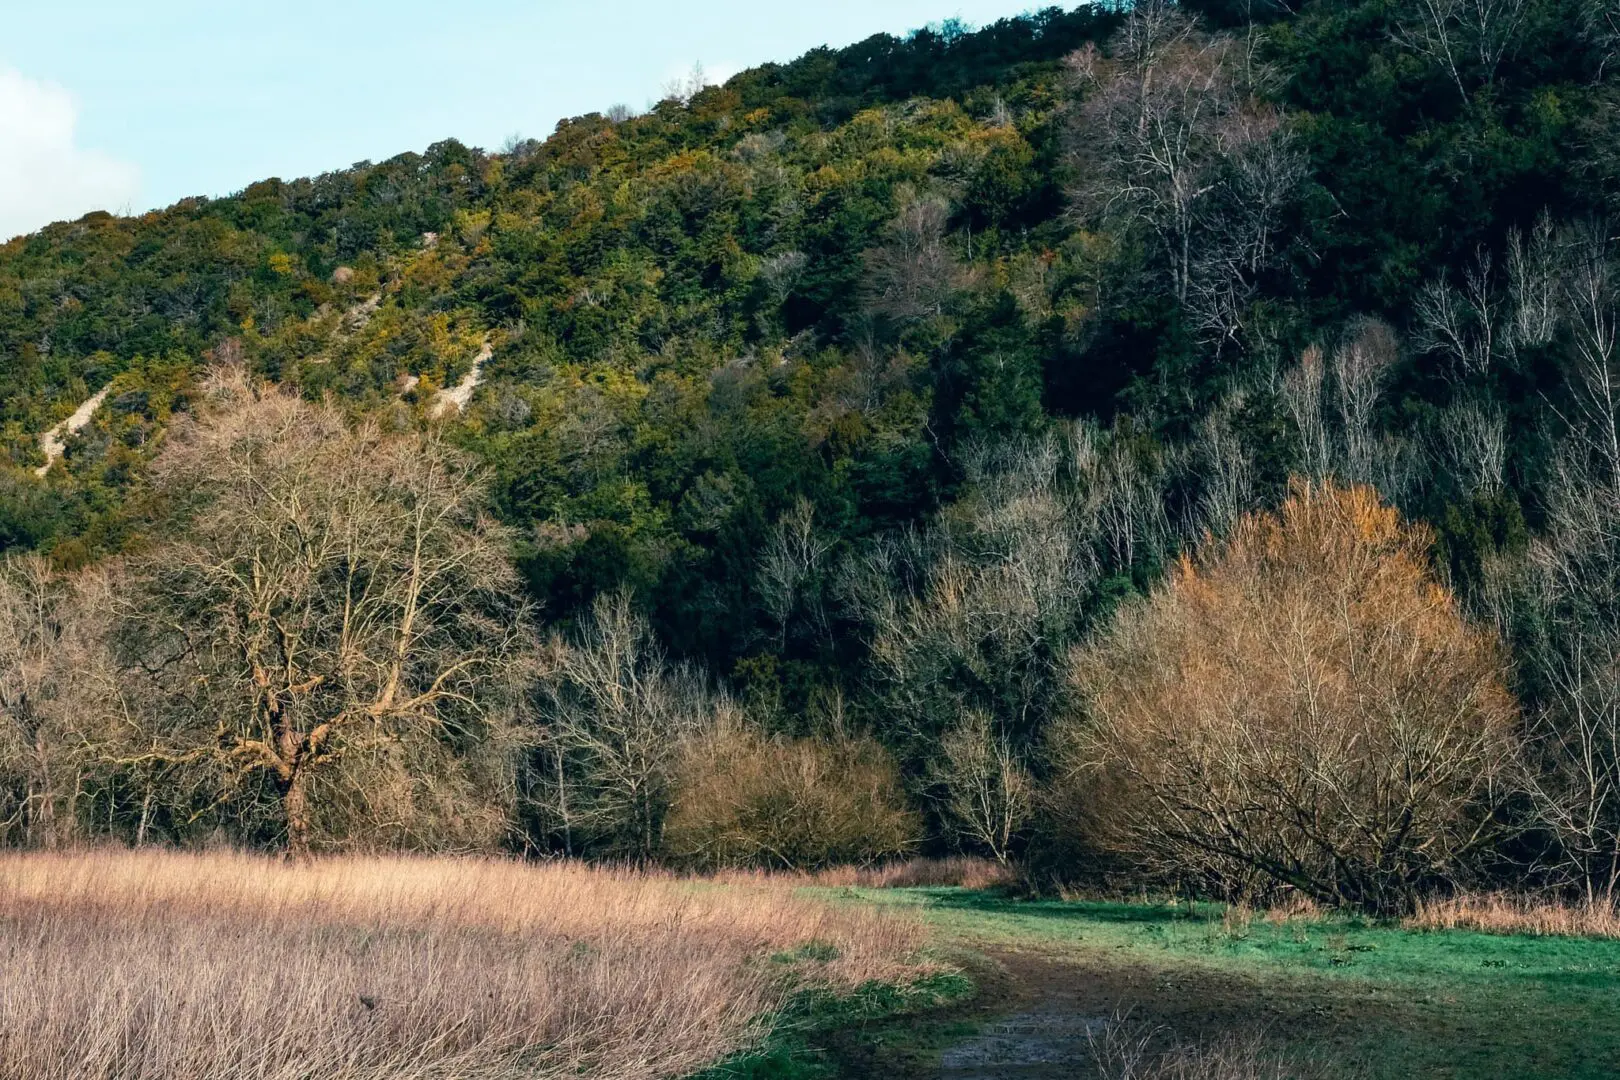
(1124, 1050)
(1506, 913)
(167, 966)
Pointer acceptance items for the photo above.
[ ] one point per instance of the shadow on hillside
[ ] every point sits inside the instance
(1109, 911)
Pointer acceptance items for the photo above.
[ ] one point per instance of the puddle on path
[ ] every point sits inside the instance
(1049, 1040)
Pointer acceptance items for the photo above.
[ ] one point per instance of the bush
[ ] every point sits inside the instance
(745, 799)
(1300, 705)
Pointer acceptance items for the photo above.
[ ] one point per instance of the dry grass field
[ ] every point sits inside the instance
(166, 966)
(1506, 913)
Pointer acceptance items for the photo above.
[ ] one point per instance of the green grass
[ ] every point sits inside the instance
(826, 1036)
(1385, 1001)
(1397, 1003)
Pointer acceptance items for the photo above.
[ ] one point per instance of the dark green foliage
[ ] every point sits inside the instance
(990, 381)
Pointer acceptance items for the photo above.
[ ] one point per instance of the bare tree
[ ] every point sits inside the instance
(1471, 439)
(914, 275)
(1534, 280)
(1577, 794)
(1302, 393)
(972, 614)
(1600, 25)
(338, 597)
(49, 709)
(989, 795)
(1262, 175)
(1568, 607)
(1362, 365)
(1339, 438)
(615, 714)
(1167, 139)
(683, 88)
(791, 562)
(1226, 469)
(973, 611)
(782, 272)
(1127, 497)
(1467, 38)
(1591, 298)
(1469, 324)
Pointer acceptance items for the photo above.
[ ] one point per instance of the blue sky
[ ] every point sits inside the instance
(120, 105)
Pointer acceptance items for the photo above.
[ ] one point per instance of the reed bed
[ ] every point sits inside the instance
(169, 966)
(1507, 913)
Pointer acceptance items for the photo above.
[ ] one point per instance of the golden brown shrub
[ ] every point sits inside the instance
(743, 798)
(1300, 704)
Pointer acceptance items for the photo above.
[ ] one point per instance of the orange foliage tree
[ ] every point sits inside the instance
(1299, 705)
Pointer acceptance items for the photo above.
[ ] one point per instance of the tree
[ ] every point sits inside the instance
(1467, 38)
(1468, 325)
(1167, 139)
(1362, 366)
(791, 565)
(1352, 449)
(988, 794)
(991, 385)
(913, 275)
(1300, 705)
(973, 612)
(339, 620)
(1564, 603)
(614, 717)
(51, 672)
(741, 797)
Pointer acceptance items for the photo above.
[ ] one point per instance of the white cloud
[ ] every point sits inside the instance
(44, 177)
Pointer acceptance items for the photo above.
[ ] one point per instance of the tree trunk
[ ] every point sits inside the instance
(146, 817)
(295, 802)
(43, 810)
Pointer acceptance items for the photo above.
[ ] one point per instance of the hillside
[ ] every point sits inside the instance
(878, 380)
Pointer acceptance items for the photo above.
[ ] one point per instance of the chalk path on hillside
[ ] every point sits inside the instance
(54, 442)
(460, 394)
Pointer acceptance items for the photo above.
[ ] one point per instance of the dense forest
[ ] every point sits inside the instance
(1160, 441)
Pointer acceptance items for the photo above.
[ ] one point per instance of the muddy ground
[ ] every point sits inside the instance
(1041, 1015)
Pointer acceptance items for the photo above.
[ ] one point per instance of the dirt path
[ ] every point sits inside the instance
(1042, 1013)
(1050, 1020)
(54, 442)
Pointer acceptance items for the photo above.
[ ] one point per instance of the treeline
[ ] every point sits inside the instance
(1166, 442)
(333, 653)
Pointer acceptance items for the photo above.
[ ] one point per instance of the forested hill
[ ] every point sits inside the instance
(781, 356)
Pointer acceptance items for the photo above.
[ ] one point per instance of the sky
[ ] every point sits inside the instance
(125, 106)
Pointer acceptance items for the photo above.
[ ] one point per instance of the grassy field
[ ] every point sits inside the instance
(1362, 1000)
(164, 966)
(140, 966)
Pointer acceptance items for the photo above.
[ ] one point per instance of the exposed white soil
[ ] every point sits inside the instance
(460, 394)
(54, 441)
